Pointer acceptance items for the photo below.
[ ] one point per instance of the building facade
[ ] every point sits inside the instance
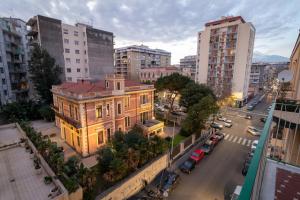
(89, 113)
(224, 56)
(151, 74)
(294, 67)
(188, 66)
(131, 59)
(14, 85)
(257, 75)
(81, 50)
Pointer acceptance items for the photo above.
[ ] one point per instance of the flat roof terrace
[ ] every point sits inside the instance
(19, 178)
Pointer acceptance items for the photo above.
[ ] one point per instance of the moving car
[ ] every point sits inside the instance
(236, 193)
(250, 107)
(197, 155)
(207, 147)
(187, 166)
(227, 125)
(169, 183)
(248, 116)
(216, 125)
(253, 131)
(220, 135)
(263, 119)
(245, 168)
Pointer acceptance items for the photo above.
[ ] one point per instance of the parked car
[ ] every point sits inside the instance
(254, 144)
(220, 135)
(197, 155)
(187, 166)
(228, 121)
(207, 147)
(160, 108)
(216, 125)
(245, 168)
(253, 131)
(236, 192)
(250, 107)
(221, 119)
(263, 119)
(169, 183)
(214, 140)
(248, 116)
(228, 125)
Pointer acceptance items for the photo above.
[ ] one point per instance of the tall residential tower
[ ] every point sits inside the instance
(224, 56)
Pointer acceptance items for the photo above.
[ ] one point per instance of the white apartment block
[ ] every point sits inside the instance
(224, 57)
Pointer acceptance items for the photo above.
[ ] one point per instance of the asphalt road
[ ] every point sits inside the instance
(216, 176)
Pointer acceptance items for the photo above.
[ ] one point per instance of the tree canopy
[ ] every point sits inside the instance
(44, 73)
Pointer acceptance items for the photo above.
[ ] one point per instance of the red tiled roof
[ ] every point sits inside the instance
(87, 86)
(287, 185)
(227, 19)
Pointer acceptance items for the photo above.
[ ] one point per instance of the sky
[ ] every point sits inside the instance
(171, 25)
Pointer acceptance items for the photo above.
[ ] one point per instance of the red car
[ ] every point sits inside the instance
(214, 139)
(197, 155)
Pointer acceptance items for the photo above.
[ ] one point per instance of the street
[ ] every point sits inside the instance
(216, 176)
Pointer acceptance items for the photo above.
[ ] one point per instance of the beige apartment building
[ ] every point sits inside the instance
(90, 112)
(151, 74)
(224, 57)
(295, 69)
(81, 50)
(131, 59)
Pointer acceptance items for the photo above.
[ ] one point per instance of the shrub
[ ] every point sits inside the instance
(47, 113)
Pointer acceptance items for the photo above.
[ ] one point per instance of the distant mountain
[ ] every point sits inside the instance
(260, 57)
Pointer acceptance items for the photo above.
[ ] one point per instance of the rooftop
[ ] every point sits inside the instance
(142, 48)
(19, 179)
(225, 19)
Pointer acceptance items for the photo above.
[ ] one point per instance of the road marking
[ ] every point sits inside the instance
(231, 137)
(235, 139)
(249, 143)
(244, 141)
(239, 140)
(226, 136)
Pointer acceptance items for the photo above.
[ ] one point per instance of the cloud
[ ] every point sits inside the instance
(170, 23)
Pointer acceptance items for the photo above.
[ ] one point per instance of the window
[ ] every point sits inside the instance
(68, 60)
(69, 70)
(118, 86)
(5, 92)
(99, 111)
(62, 107)
(66, 31)
(78, 140)
(120, 129)
(86, 70)
(76, 113)
(83, 33)
(3, 81)
(67, 50)
(66, 41)
(144, 99)
(76, 42)
(0, 59)
(108, 134)
(83, 43)
(107, 110)
(106, 84)
(75, 33)
(100, 137)
(84, 52)
(1, 70)
(144, 117)
(119, 109)
(127, 121)
(65, 133)
(77, 60)
(85, 60)
(78, 69)
(127, 100)
(77, 51)
(71, 109)
(69, 78)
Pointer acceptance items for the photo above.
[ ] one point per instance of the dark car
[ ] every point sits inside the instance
(188, 166)
(263, 119)
(207, 147)
(169, 183)
(216, 125)
(245, 168)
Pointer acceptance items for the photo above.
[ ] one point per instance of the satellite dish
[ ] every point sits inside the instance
(285, 76)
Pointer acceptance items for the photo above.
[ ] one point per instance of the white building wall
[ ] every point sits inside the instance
(78, 70)
(202, 55)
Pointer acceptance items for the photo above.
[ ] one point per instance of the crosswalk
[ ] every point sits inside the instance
(239, 140)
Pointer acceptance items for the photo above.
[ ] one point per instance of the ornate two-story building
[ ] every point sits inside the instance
(90, 112)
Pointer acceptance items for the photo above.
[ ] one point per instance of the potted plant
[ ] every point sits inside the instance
(22, 142)
(38, 169)
(31, 154)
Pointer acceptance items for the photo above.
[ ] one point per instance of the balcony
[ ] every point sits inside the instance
(152, 127)
(277, 156)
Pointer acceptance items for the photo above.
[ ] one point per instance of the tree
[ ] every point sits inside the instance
(198, 114)
(193, 93)
(173, 84)
(44, 73)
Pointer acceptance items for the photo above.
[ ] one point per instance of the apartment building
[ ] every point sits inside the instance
(82, 51)
(151, 74)
(188, 65)
(14, 84)
(131, 59)
(224, 56)
(257, 75)
(89, 112)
